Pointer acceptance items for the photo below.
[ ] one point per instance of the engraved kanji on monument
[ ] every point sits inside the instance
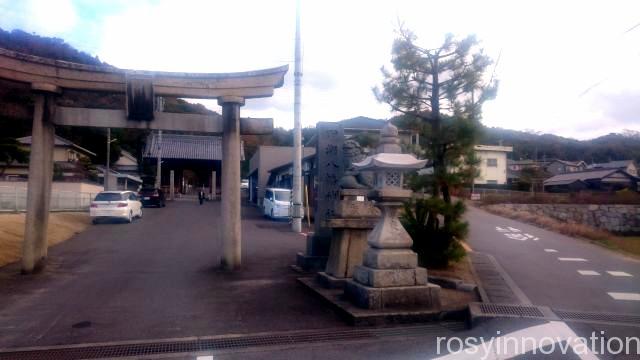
(330, 139)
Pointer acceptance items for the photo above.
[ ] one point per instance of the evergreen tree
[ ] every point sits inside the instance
(440, 92)
(10, 152)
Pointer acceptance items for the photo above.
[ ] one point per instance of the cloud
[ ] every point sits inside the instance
(50, 17)
(543, 68)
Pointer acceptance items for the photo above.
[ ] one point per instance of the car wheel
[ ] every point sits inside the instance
(94, 221)
(140, 215)
(272, 213)
(130, 218)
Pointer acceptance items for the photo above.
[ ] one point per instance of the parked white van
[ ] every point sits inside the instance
(276, 202)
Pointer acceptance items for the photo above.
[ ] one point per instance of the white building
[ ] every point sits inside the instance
(493, 164)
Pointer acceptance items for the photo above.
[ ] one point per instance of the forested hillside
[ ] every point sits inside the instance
(528, 145)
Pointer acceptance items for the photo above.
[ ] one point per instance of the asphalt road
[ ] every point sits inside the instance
(556, 270)
(158, 278)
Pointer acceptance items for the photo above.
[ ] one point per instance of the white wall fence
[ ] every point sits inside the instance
(14, 199)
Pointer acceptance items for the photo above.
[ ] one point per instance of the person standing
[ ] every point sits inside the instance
(201, 196)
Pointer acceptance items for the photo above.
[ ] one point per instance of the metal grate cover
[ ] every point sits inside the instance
(591, 316)
(511, 310)
(222, 343)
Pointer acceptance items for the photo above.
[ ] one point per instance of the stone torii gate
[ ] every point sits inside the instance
(51, 81)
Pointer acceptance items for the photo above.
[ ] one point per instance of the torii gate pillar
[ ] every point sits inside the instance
(231, 228)
(34, 247)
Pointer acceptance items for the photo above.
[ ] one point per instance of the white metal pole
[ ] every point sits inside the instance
(296, 224)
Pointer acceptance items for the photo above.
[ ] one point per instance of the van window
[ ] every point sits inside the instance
(283, 195)
(268, 195)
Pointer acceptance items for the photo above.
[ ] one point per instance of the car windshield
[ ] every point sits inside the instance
(109, 197)
(283, 195)
(148, 191)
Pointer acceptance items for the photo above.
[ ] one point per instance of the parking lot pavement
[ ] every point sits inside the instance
(158, 278)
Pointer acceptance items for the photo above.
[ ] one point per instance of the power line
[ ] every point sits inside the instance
(632, 28)
(596, 84)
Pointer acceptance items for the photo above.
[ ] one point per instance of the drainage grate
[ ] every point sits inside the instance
(225, 342)
(510, 310)
(591, 316)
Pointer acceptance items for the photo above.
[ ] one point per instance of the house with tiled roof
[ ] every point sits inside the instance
(557, 166)
(629, 166)
(593, 180)
(66, 159)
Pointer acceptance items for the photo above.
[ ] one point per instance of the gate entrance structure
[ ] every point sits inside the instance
(55, 84)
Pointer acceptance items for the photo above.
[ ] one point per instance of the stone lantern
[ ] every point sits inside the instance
(389, 276)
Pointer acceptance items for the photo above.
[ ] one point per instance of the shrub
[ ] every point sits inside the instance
(435, 243)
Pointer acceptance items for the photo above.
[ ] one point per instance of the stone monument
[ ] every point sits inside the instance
(330, 139)
(353, 218)
(390, 276)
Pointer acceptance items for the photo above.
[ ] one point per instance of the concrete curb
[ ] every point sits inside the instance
(451, 283)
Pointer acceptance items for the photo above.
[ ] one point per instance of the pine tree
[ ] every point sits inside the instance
(440, 92)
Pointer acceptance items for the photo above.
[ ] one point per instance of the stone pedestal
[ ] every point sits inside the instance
(355, 217)
(389, 276)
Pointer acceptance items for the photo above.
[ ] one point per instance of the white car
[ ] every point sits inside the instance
(276, 202)
(244, 184)
(116, 205)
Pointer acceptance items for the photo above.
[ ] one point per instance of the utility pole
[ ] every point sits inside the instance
(296, 224)
(159, 161)
(106, 171)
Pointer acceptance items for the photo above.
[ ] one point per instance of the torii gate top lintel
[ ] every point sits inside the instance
(34, 69)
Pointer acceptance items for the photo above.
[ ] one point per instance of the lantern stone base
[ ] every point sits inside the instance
(358, 316)
(329, 281)
(401, 297)
(309, 263)
(390, 277)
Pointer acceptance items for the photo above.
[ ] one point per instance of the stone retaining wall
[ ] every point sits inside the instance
(615, 218)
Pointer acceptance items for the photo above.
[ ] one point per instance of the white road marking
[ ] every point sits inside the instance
(619, 273)
(536, 239)
(519, 237)
(529, 236)
(550, 250)
(513, 229)
(538, 336)
(205, 357)
(588, 273)
(571, 259)
(625, 296)
(498, 228)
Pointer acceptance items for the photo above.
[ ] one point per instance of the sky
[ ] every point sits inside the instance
(569, 68)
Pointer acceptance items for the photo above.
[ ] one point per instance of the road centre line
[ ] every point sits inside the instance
(571, 259)
(619, 273)
(625, 296)
(588, 273)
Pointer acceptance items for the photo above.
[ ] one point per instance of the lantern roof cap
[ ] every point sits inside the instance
(390, 161)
